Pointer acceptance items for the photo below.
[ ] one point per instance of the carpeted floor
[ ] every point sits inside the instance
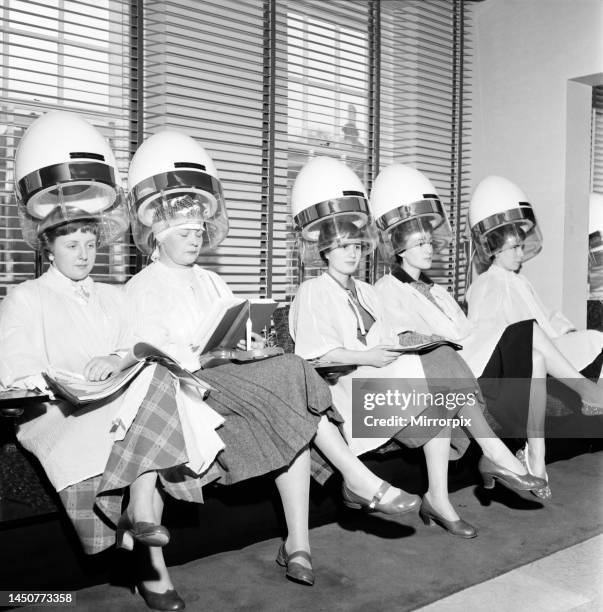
(371, 564)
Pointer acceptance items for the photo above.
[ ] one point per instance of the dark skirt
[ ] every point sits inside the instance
(271, 409)
(506, 380)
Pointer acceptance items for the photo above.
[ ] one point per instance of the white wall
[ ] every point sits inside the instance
(526, 52)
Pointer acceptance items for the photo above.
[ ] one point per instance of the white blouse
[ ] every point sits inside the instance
(323, 318)
(502, 296)
(170, 304)
(413, 311)
(55, 322)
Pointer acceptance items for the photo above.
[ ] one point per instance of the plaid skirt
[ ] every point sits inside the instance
(271, 409)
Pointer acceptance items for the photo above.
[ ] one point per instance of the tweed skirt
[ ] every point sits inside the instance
(271, 410)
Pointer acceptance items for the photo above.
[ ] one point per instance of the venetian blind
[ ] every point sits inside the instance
(322, 103)
(371, 83)
(426, 109)
(204, 77)
(70, 55)
(597, 141)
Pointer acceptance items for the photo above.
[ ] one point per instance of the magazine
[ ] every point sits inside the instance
(425, 347)
(77, 390)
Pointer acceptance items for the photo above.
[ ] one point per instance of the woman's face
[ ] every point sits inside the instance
(511, 257)
(419, 253)
(181, 246)
(345, 259)
(74, 254)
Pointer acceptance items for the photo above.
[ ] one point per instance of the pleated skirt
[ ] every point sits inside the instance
(271, 410)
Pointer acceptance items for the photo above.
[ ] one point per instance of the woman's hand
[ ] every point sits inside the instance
(100, 368)
(380, 356)
(257, 342)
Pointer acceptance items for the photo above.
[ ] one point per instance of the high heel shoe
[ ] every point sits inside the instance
(170, 600)
(403, 502)
(148, 534)
(296, 571)
(543, 492)
(459, 527)
(491, 471)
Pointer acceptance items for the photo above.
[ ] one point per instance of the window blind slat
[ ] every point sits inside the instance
(207, 61)
(74, 56)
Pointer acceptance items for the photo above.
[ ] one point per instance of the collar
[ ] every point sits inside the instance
(404, 277)
(352, 288)
(82, 289)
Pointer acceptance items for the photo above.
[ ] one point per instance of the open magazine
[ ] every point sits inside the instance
(80, 391)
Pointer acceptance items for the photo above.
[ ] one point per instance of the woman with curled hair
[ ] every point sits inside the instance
(503, 294)
(510, 360)
(112, 460)
(273, 409)
(336, 317)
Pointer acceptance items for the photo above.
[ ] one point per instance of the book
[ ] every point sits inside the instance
(79, 391)
(225, 324)
(425, 347)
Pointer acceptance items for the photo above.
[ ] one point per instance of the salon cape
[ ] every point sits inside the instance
(171, 305)
(412, 311)
(323, 318)
(499, 295)
(47, 323)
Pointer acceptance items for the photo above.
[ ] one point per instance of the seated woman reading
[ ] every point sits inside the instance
(272, 409)
(109, 453)
(337, 318)
(520, 352)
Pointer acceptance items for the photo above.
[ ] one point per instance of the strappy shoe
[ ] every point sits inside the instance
(296, 571)
(148, 534)
(543, 492)
(403, 502)
(430, 516)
